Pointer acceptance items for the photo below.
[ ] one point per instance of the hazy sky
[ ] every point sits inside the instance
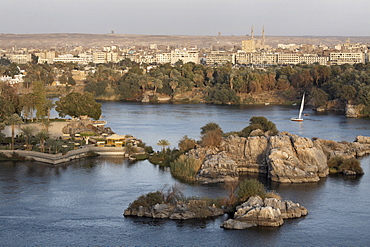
(187, 17)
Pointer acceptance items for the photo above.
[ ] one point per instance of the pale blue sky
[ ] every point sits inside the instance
(187, 17)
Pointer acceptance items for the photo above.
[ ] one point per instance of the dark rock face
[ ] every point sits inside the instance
(268, 212)
(285, 158)
(195, 209)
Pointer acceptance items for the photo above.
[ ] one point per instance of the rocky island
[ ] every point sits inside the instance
(284, 158)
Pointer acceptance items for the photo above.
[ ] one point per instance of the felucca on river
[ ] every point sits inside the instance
(299, 118)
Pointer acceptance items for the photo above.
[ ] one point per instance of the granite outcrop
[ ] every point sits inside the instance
(285, 158)
(267, 212)
(194, 209)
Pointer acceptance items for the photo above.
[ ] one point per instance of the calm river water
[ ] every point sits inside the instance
(81, 203)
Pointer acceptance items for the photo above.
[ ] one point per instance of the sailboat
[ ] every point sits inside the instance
(299, 118)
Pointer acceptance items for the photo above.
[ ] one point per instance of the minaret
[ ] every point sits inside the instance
(252, 33)
(263, 37)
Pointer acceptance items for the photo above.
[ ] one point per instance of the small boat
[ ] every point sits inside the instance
(299, 118)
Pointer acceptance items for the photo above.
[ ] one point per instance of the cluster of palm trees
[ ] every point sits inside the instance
(28, 131)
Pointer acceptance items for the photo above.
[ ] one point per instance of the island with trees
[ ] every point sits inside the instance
(220, 157)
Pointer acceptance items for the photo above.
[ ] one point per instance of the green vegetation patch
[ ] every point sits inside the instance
(185, 168)
(338, 164)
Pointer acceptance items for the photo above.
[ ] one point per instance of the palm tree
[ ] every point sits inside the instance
(28, 131)
(163, 143)
(42, 136)
(13, 120)
(49, 104)
(46, 124)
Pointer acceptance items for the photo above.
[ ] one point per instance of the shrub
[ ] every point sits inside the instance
(210, 127)
(339, 164)
(250, 187)
(185, 167)
(186, 144)
(148, 200)
(164, 158)
(140, 156)
(273, 194)
(212, 138)
(173, 195)
(261, 123)
(351, 164)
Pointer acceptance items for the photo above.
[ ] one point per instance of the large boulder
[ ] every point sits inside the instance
(268, 212)
(218, 168)
(294, 159)
(249, 153)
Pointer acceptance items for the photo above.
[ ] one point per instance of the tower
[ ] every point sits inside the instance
(263, 37)
(252, 33)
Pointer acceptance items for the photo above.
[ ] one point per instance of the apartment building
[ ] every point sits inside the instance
(264, 58)
(313, 58)
(243, 58)
(46, 57)
(339, 58)
(220, 58)
(162, 58)
(185, 56)
(20, 58)
(69, 58)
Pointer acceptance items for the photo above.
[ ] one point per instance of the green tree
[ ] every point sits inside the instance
(77, 104)
(39, 95)
(211, 135)
(42, 136)
(13, 120)
(261, 123)
(209, 127)
(49, 104)
(10, 101)
(28, 132)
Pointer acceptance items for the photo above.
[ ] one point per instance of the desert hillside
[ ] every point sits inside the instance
(98, 40)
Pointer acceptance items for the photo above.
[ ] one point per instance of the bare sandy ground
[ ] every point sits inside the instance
(55, 129)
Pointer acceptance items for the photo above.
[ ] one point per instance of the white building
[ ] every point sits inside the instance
(339, 58)
(185, 56)
(20, 58)
(69, 58)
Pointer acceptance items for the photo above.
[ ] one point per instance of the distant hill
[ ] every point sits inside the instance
(126, 40)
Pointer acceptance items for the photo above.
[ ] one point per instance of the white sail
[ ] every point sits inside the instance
(301, 109)
(299, 118)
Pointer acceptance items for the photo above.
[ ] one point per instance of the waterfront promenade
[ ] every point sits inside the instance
(55, 159)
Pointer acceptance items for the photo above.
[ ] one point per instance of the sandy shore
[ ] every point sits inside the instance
(55, 128)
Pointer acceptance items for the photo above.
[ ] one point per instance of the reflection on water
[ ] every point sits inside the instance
(81, 203)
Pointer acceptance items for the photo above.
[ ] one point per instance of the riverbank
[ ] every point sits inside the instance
(56, 159)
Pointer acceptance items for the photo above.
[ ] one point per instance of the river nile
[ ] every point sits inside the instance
(81, 203)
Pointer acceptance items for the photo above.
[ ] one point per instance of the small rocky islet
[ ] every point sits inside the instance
(253, 212)
(284, 158)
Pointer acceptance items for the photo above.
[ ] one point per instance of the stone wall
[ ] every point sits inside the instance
(55, 159)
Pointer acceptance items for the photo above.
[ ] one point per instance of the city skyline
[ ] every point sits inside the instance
(191, 17)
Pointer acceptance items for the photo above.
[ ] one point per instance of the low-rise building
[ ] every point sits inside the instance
(220, 58)
(339, 58)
